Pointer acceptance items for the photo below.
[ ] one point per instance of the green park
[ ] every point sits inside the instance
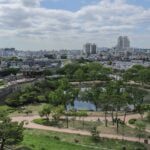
(47, 114)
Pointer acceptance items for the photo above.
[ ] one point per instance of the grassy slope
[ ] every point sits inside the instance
(45, 140)
(41, 141)
(126, 131)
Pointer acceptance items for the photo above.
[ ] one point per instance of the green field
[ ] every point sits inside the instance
(88, 126)
(35, 108)
(46, 140)
(5, 108)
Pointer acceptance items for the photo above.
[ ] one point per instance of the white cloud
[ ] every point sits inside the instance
(27, 18)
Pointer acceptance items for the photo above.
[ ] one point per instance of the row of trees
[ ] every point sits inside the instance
(112, 97)
(36, 93)
(55, 112)
(9, 71)
(85, 71)
(56, 92)
(138, 73)
(115, 97)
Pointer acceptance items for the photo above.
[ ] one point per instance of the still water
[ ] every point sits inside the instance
(81, 105)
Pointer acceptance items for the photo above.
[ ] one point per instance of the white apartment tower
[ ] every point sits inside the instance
(89, 48)
(123, 43)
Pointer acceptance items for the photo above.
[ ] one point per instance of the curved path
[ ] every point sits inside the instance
(29, 124)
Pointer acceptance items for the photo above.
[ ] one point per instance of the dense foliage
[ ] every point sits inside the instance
(55, 92)
(9, 71)
(85, 71)
(10, 132)
(138, 73)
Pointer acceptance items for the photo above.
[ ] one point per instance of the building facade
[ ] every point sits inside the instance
(89, 48)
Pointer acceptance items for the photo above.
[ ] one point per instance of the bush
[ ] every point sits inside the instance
(95, 134)
(32, 145)
(76, 140)
(124, 148)
(57, 138)
(132, 121)
(42, 121)
(47, 122)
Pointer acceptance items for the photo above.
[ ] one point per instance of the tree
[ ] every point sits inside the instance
(131, 74)
(47, 72)
(79, 75)
(108, 100)
(54, 97)
(10, 132)
(137, 73)
(93, 70)
(95, 134)
(46, 110)
(137, 96)
(92, 95)
(144, 76)
(63, 95)
(9, 71)
(57, 112)
(93, 75)
(69, 70)
(64, 84)
(41, 98)
(140, 128)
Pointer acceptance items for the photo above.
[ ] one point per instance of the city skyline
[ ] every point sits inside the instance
(60, 24)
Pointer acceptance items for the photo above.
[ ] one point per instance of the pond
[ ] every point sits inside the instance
(82, 105)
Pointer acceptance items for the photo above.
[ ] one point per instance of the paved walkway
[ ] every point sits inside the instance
(31, 125)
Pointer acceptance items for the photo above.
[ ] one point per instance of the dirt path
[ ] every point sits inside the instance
(31, 125)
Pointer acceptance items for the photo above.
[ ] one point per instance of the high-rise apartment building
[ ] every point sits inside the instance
(87, 48)
(90, 48)
(93, 49)
(123, 43)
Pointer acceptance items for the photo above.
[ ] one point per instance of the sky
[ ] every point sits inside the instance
(68, 24)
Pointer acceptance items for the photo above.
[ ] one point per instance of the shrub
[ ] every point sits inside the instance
(57, 138)
(46, 122)
(95, 134)
(76, 140)
(132, 121)
(124, 148)
(42, 121)
(32, 145)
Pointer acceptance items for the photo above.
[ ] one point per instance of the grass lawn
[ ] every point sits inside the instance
(35, 108)
(47, 140)
(146, 122)
(5, 108)
(88, 126)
